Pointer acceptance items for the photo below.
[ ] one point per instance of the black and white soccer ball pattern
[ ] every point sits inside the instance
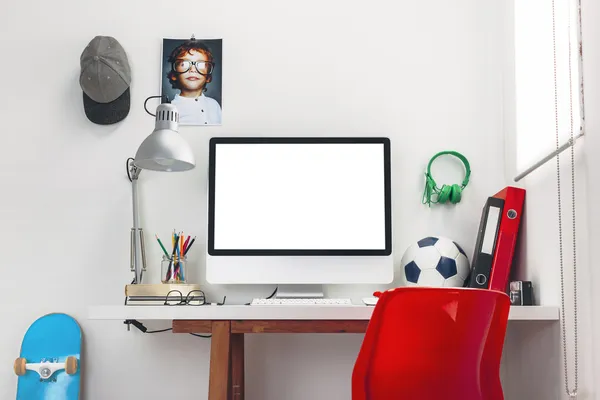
(435, 262)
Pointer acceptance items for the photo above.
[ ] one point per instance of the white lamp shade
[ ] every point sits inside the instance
(165, 150)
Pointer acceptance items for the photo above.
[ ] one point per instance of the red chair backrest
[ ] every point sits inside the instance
(433, 344)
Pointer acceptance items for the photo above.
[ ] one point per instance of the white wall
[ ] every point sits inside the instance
(429, 77)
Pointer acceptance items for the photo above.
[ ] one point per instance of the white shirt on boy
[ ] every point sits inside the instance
(201, 110)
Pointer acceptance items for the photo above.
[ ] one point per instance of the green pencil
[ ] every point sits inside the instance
(162, 247)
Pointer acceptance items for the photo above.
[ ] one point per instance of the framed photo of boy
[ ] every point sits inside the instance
(192, 79)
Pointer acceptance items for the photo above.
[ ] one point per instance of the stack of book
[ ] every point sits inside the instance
(158, 294)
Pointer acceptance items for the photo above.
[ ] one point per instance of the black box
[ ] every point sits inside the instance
(521, 293)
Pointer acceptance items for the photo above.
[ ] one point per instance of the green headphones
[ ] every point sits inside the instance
(452, 193)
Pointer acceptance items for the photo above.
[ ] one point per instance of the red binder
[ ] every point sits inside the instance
(508, 234)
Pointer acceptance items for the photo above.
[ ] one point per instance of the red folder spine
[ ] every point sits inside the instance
(508, 234)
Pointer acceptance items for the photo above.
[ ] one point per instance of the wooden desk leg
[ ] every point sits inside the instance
(219, 386)
(237, 366)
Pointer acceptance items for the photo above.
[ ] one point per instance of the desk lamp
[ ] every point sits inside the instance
(163, 150)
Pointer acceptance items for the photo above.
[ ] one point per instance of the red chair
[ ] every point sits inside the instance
(433, 344)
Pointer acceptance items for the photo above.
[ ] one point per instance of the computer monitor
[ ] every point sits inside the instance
(299, 211)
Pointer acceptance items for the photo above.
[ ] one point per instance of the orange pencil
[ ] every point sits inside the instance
(181, 245)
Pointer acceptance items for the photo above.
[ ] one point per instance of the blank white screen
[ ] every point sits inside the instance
(299, 196)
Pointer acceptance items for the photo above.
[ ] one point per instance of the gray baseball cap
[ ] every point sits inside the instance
(105, 79)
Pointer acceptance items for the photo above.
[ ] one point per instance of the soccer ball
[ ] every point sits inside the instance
(435, 262)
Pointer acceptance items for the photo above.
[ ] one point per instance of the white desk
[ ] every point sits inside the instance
(229, 323)
(242, 312)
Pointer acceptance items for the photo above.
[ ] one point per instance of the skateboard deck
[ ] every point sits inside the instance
(48, 367)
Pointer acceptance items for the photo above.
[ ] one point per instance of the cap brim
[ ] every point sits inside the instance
(107, 113)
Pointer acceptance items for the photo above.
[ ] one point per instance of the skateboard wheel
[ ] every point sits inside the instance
(20, 366)
(71, 365)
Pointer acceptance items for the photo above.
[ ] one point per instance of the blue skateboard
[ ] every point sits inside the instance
(48, 366)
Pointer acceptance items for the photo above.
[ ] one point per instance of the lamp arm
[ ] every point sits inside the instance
(137, 236)
(136, 225)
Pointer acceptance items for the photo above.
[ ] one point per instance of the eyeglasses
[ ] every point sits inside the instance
(203, 67)
(193, 298)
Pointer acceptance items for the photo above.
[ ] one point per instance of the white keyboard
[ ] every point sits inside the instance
(301, 302)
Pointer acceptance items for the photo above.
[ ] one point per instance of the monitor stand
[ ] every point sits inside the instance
(299, 292)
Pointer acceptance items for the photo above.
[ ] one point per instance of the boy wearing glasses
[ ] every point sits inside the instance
(192, 64)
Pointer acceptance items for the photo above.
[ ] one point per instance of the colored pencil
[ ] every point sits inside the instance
(171, 259)
(181, 245)
(188, 248)
(185, 245)
(162, 247)
(177, 266)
